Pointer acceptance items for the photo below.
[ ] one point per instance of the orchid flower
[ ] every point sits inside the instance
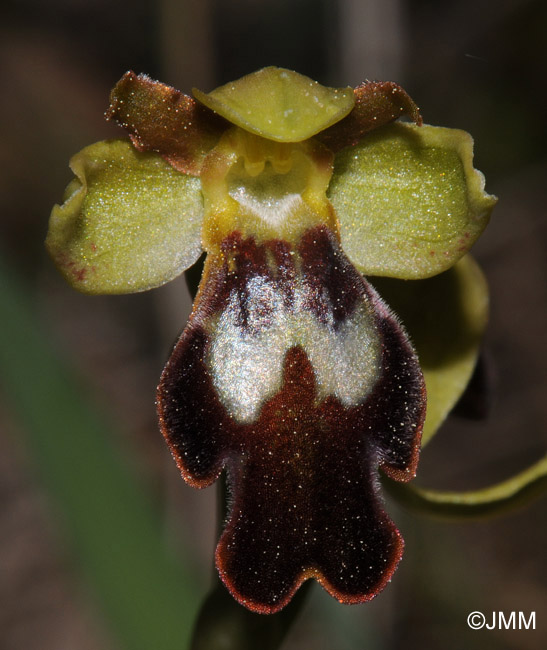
(292, 375)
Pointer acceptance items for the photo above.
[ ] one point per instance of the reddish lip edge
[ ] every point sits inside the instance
(315, 573)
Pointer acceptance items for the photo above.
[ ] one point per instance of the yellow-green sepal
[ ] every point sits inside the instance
(445, 318)
(279, 104)
(409, 202)
(486, 502)
(129, 221)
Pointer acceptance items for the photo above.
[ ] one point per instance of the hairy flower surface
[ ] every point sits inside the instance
(292, 374)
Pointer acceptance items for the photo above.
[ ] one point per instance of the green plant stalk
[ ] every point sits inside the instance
(498, 499)
(148, 597)
(224, 624)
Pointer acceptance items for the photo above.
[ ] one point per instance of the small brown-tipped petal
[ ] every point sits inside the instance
(376, 104)
(160, 118)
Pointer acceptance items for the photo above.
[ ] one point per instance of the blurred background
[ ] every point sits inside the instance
(69, 359)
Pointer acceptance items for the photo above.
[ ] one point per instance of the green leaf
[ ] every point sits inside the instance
(148, 596)
(129, 221)
(279, 104)
(445, 317)
(494, 500)
(409, 201)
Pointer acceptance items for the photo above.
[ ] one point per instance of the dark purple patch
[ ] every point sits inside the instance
(334, 285)
(244, 261)
(397, 404)
(191, 417)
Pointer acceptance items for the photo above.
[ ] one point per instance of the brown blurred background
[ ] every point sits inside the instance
(471, 64)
